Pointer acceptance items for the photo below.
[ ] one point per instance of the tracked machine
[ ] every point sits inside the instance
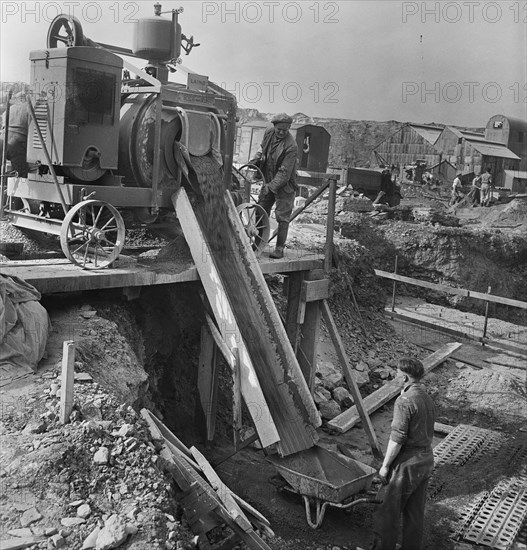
(107, 150)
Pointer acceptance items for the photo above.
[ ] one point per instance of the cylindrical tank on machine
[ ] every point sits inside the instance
(155, 39)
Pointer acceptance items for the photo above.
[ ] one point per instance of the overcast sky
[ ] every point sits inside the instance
(449, 62)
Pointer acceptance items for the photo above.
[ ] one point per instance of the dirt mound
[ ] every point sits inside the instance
(513, 213)
(70, 480)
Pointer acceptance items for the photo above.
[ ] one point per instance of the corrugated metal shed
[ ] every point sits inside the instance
(490, 149)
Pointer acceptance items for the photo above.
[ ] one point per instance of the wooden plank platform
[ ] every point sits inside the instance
(58, 276)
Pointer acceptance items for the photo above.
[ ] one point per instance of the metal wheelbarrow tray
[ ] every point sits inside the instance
(325, 478)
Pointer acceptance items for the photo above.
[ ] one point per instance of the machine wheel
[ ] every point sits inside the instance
(92, 234)
(72, 27)
(256, 223)
(247, 172)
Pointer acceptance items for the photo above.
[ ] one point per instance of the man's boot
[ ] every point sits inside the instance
(281, 237)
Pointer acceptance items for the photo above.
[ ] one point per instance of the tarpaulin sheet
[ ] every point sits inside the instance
(24, 326)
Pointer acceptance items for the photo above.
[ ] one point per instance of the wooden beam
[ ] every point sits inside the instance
(451, 290)
(350, 378)
(223, 492)
(424, 284)
(220, 343)
(237, 421)
(291, 403)
(410, 318)
(417, 321)
(315, 290)
(497, 299)
(330, 225)
(310, 333)
(294, 291)
(229, 329)
(174, 447)
(67, 381)
(208, 381)
(378, 398)
(443, 429)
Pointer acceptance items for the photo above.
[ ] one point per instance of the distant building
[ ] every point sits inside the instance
(516, 181)
(410, 143)
(447, 151)
(511, 132)
(472, 152)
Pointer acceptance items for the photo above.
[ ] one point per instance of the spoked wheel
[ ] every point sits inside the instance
(65, 30)
(251, 174)
(256, 223)
(92, 234)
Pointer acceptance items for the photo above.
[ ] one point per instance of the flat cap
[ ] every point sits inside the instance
(282, 117)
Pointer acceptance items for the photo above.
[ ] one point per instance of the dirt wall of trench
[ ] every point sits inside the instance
(459, 257)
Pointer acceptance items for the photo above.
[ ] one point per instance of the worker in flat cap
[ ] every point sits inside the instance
(276, 158)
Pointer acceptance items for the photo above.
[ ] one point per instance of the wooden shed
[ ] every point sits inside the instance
(450, 143)
(515, 180)
(410, 143)
(478, 155)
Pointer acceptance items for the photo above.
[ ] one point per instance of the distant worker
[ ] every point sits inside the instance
(486, 184)
(408, 464)
(457, 193)
(476, 190)
(17, 134)
(276, 158)
(387, 187)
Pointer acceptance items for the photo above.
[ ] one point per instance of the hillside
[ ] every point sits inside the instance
(352, 141)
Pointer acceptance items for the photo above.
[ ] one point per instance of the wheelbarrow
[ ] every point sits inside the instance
(325, 479)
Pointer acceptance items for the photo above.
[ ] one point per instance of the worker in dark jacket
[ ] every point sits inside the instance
(408, 464)
(17, 134)
(276, 158)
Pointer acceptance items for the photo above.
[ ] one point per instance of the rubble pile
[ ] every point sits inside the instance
(513, 214)
(11, 234)
(434, 216)
(92, 483)
(318, 211)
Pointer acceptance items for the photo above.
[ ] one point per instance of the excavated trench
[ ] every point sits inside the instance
(455, 256)
(146, 350)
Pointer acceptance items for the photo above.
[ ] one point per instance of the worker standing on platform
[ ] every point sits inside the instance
(408, 464)
(277, 159)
